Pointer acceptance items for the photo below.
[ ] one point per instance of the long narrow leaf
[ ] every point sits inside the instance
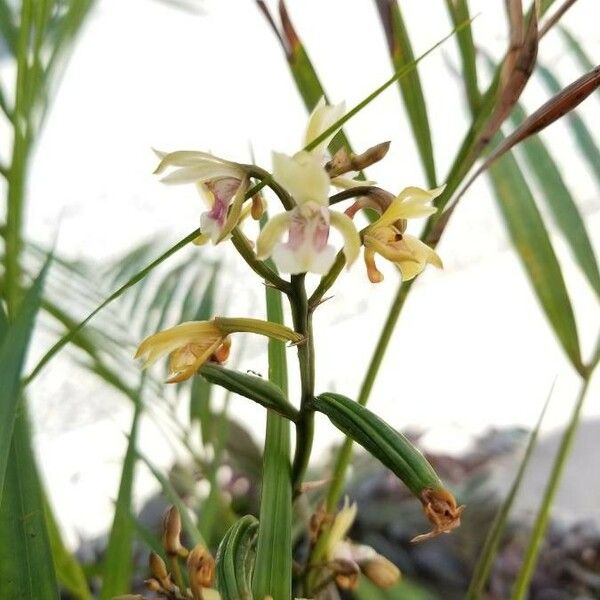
(26, 561)
(560, 202)
(531, 240)
(401, 53)
(12, 356)
(273, 567)
(117, 568)
(68, 570)
(584, 139)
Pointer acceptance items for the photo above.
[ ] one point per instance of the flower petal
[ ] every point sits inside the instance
(185, 158)
(422, 252)
(322, 118)
(235, 212)
(271, 233)
(201, 172)
(412, 202)
(302, 176)
(344, 224)
(305, 259)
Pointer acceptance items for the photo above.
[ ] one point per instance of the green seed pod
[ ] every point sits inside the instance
(396, 453)
(255, 388)
(235, 560)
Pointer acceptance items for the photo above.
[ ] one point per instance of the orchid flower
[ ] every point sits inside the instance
(387, 236)
(189, 345)
(348, 559)
(308, 225)
(222, 183)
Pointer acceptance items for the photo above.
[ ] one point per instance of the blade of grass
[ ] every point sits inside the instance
(459, 13)
(401, 53)
(494, 536)
(117, 567)
(531, 240)
(560, 202)
(68, 570)
(584, 139)
(543, 516)
(25, 553)
(116, 294)
(273, 566)
(12, 357)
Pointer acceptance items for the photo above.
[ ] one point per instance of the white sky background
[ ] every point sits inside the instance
(472, 348)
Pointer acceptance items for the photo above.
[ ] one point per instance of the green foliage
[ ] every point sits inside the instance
(235, 560)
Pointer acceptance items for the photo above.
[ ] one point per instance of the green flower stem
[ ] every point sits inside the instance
(343, 460)
(302, 318)
(243, 246)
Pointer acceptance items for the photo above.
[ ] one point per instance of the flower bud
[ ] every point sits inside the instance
(346, 573)
(172, 532)
(158, 567)
(201, 567)
(153, 585)
(382, 572)
(258, 206)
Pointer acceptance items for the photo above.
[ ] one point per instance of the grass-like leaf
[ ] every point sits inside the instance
(560, 202)
(494, 536)
(401, 53)
(584, 139)
(273, 567)
(459, 13)
(25, 553)
(117, 567)
(531, 240)
(68, 570)
(13, 349)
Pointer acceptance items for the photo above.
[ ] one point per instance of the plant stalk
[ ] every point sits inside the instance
(302, 318)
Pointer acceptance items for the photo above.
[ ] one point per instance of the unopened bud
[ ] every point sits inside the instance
(157, 567)
(221, 354)
(201, 567)
(343, 162)
(346, 573)
(172, 533)
(153, 585)
(258, 206)
(382, 572)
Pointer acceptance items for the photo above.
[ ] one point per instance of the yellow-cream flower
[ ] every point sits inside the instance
(189, 345)
(348, 559)
(308, 225)
(222, 183)
(387, 236)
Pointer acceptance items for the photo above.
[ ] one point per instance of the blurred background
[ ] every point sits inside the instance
(473, 358)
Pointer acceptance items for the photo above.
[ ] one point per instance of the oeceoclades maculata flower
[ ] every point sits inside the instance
(222, 183)
(305, 178)
(387, 235)
(189, 345)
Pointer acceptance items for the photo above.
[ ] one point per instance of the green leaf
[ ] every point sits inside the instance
(117, 568)
(263, 392)
(459, 13)
(68, 570)
(560, 202)
(235, 560)
(531, 240)
(379, 439)
(584, 139)
(63, 341)
(402, 55)
(27, 563)
(273, 571)
(12, 357)
(494, 536)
